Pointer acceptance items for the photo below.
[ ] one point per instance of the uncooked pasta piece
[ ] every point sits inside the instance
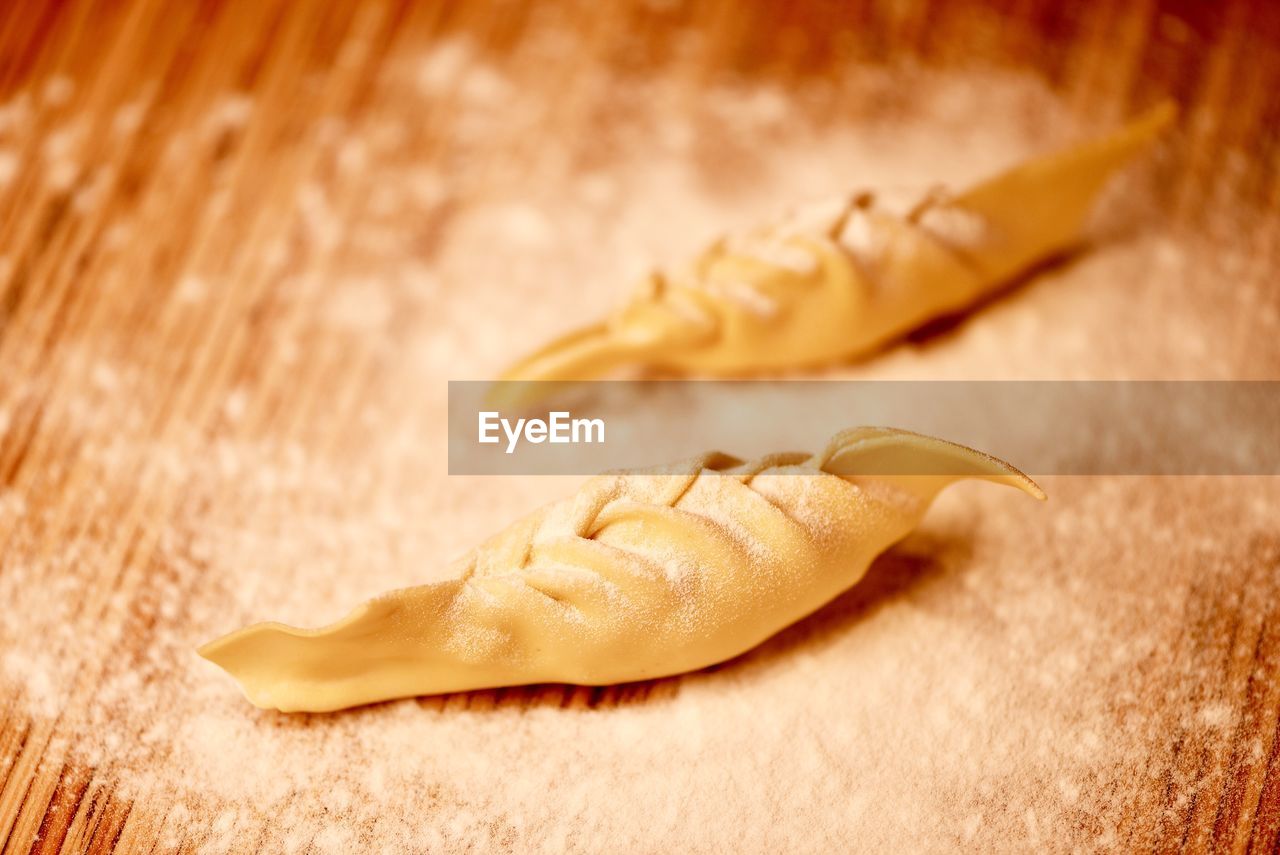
(641, 574)
(805, 294)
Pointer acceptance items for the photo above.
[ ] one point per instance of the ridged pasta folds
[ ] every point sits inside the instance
(640, 574)
(813, 292)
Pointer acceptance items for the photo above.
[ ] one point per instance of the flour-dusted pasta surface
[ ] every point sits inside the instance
(841, 282)
(639, 575)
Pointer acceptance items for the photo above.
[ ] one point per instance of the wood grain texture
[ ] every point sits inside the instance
(149, 228)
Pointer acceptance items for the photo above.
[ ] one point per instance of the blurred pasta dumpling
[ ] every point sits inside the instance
(845, 281)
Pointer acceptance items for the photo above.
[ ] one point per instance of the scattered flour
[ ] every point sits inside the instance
(1010, 676)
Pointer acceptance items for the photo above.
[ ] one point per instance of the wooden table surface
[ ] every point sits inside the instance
(195, 257)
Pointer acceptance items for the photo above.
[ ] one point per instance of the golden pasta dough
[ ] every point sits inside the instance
(813, 293)
(641, 574)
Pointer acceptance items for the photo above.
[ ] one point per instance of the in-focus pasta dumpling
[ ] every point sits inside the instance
(814, 292)
(641, 574)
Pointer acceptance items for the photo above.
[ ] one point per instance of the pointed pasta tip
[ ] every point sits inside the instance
(877, 451)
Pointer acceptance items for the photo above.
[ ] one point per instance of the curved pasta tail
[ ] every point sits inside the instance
(583, 354)
(360, 659)
(923, 464)
(1040, 208)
